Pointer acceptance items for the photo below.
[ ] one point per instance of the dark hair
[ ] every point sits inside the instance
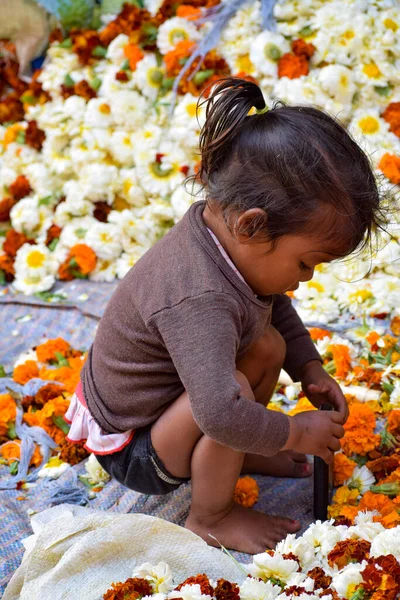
(290, 161)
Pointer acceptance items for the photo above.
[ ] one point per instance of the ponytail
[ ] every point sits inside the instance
(227, 108)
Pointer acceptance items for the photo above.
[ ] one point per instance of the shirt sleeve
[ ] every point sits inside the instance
(300, 349)
(202, 336)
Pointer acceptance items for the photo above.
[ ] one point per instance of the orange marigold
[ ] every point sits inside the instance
(319, 334)
(6, 205)
(14, 241)
(133, 588)
(344, 495)
(341, 357)
(25, 372)
(302, 48)
(47, 351)
(359, 441)
(68, 376)
(20, 187)
(395, 325)
(34, 137)
(201, 580)
(361, 417)
(392, 116)
(246, 491)
(8, 412)
(343, 467)
(191, 13)
(134, 54)
(7, 266)
(393, 422)
(81, 260)
(390, 166)
(292, 66)
(11, 451)
(173, 59)
(348, 551)
(378, 502)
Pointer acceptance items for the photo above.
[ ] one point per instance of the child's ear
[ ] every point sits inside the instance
(249, 223)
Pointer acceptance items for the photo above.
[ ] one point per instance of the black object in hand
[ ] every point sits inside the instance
(323, 482)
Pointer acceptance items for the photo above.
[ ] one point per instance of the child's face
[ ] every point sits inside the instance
(291, 262)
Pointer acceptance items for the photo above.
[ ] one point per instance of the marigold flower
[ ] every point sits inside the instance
(246, 492)
(322, 580)
(20, 187)
(44, 417)
(302, 48)
(395, 325)
(47, 351)
(6, 205)
(341, 357)
(225, 590)
(133, 588)
(81, 260)
(8, 412)
(68, 376)
(34, 136)
(84, 90)
(48, 392)
(384, 465)
(393, 422)
(134, 54)
(343, 467)
(188, 12)
(392, 116)
(344, 495)
(292, 66)
(200, 579)
(303, 404)
(173, 59)
(390, 520)
(7, 266)
(11, 110)
(348, 551)
(14, 241)
(72, 453)
(23, 373)
(361, 417)
(11, 451)
(359, 441)
(317, 333)
(378, 502)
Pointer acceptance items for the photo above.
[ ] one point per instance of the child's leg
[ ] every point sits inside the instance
(262, 365)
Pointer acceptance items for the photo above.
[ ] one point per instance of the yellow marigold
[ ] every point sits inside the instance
(395, 325)
(393, 421)
(47, 351)
(302, 405)
(343, 467)
(23, 373)
(342, 510)
(361, 417)
(341, 358)
(359, 441)
(246, 491)
(7, 412)
(344, 495)
(11, 451)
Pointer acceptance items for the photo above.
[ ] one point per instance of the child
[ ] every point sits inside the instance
(190, 347)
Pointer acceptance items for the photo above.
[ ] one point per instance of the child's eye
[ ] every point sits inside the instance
(304, 267)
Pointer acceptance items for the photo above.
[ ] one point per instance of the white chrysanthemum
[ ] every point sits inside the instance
(173, 31)
(98, 181)
(75, 231)
(345, 582)
(98, 113)
(126, 261)
(189, 113)
(365, 528)
(301, 580)
(33, 261)
(105, 270)
(323, 345)
(25, 215)
(121, 148)
(303, 90)
(103, 238)
(395, 395)
(161, 172)
(7, 176)
(322, 310)
(153, 6)
(266, 566)
(253, 589)
(160, 576)
(32, 285)
(61, 62)
(337, 82)
(386, 543)
(145, 139)
(54, 468)
(323, 536)
(361, 479)
(368, 125)
(128, 108)
(181, 201)
(40, 179)
(129, 189)
(96, 474)
(265, 52)
(189, 592)
(148, 76)
(115, 51)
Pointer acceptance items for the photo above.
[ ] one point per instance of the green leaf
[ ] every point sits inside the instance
(45, 201)
(14, 467)
(11, 433)
(2, 371)
(67, 43)
(360, 460)
(73, 263)
(306, 31)
(388, 388)
(77, 274)
(53, 244)
(167, 83)
(59, 422)
(68, 81)
(99, 52)
(150, 31)
(2, 277)
(20, 137)
(383, 91)
(125, 65)
(28, 98)
(51, 297)
(202, 76)
(95, 83)
(75, 13)
(80, 232)
(61, 360)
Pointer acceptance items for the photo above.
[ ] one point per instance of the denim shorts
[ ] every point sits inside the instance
(138, 467)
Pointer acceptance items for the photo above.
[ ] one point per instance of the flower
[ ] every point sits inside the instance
(160, 576)
(173, 31)
(361, 479)
(254, 589)
(11, 451)
(275, 567)
(346, 581)
(8, 413)
(134, 588)
(97, 476)
(389, 164)
(386, 542)
(246, 492)
(54, 468)
(25, 372)
(47, 352)
(343, 467)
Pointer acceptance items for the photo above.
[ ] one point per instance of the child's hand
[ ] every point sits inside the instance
(316, 432)
(319, 387)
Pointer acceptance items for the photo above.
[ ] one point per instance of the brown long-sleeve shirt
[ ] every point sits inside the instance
(178, 321)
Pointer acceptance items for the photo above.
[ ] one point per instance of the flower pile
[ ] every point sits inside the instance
(92, 162)
(333, 563)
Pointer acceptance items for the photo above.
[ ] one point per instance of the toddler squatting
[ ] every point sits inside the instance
(190, 347)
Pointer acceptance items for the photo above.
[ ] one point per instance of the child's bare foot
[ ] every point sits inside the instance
(242, 529)
(284, 464)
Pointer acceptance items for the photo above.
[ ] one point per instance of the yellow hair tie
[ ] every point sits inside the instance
(261, 111)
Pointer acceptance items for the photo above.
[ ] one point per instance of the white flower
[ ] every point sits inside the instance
(54, 468)
(252, 589)
(148, 76)
(365, 528)
(173, 31)
(103, 238)
(128, 188)
(33, 261)
(96, 474)
(98, 181)
(361, 479)
(189, 592)
(347, 579)
(128, 108)
(337, 81)
(105, 270)
(126, 261)
(161, 172)
(121, 148)
(160, 576)
(32, 285)
(98, 113)
(266, 566)
(25, 216)
(395, 395)
(25, 356)
(323, 536)
(386, 543)
(266, 50)
(181, 201)
(115, 51)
